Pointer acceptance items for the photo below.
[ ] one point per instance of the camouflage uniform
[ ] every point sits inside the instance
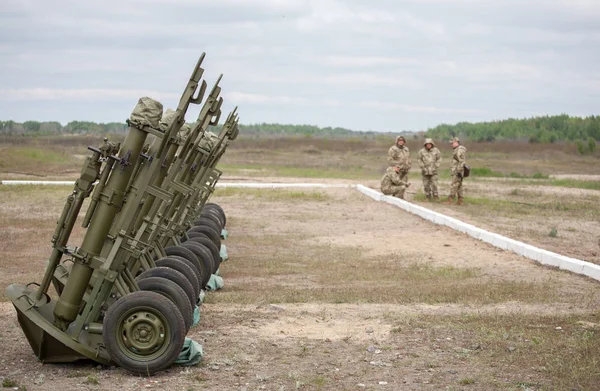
(459, 159)
(400, 156)
(392, 183)
(429, 162)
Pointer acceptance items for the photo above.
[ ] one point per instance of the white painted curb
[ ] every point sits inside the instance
(526, 250)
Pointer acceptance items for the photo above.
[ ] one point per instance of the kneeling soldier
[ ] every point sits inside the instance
(392, 183)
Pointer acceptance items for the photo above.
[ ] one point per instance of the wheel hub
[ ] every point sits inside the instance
(143, 332)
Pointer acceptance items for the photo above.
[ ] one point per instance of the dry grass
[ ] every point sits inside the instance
(530, 212)
(277, 260)
(520, 350)
(328, 274)
(28, 217)
(280, 260)
(272, 194)
(561, 349)
(352, 158)
(38, 161)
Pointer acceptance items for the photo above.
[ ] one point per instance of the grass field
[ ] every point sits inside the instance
(441, 310)
(352, 158)
(362, 293)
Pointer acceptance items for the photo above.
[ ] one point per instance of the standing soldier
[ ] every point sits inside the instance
(429, 159)
(399, 155)
(457, 170)
(392, 183)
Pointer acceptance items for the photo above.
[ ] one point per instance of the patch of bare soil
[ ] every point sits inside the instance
(328, 346)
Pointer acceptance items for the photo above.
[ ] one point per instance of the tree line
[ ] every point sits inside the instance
(546, 129)
(35, 128)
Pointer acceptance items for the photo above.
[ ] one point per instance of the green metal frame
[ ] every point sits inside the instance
(141, 191)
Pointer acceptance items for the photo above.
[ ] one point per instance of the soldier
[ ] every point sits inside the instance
(429, 159)
(392, 183)
(399, 155)
(459, 159)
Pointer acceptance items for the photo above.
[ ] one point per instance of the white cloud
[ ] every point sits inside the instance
(419, 109)
(282, 100)
(49, 94)
(244, 97)
(432, 60)
(359, 61)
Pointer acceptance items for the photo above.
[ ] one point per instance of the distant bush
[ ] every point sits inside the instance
(580, 147)
(585, 148)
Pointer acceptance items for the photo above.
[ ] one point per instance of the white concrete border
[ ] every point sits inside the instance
(526, 250)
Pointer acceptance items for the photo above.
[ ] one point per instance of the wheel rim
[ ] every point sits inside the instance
(143, 334)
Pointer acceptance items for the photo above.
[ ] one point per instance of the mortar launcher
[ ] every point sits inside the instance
(108, 318)
(155, 221)
(141, 250)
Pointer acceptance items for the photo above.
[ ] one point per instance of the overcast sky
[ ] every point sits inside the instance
(381, 65)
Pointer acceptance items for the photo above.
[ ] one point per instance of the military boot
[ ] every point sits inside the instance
(450, 200)
(460, 201)
(436, 198)
(428, 197)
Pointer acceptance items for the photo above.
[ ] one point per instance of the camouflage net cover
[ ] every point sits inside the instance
(147, 112)
(166, 120)
(208, 140)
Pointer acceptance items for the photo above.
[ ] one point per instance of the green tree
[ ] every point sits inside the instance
(31, 126)
(591, 145)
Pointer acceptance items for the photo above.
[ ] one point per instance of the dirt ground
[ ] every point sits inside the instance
(391, 340)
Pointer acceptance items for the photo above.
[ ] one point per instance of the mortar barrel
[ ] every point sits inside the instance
(111, 200)
(96, 196)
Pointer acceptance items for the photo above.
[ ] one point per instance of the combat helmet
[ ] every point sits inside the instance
(429, 141)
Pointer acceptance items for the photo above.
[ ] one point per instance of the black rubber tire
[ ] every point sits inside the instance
(219, 209)
(179, 251)
(186, 268)
(174, 293)
(115, 336)
(216, 255)
(211, 233)
(205, 258)
(214, 215)
(208, 222)
(198, 235)
(173, 275)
